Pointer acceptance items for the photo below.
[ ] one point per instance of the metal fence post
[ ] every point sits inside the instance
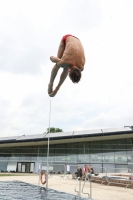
(79, 193)
(90, 187)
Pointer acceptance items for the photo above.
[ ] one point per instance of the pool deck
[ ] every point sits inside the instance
(67, 184)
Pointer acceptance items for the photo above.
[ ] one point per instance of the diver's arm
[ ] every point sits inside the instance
(62, 79)
(52, 78)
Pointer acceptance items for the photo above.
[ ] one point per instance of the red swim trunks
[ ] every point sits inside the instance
(65, 37)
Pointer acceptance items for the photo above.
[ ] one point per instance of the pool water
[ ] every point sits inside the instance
(17, 190)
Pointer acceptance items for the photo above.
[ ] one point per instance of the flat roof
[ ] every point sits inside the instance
(73, 136)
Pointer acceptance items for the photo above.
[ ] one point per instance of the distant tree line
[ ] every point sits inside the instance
(54, 130)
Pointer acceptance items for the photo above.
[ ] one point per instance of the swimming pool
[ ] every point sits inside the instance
(17, 190)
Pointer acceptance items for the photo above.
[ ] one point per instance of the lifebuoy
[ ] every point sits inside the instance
(44, 182)
(41, 180)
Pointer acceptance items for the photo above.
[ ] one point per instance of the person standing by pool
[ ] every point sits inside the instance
(90, 171)
(84, 171)
(79, 172)
(71, 58)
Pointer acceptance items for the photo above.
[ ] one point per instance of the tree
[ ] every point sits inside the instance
(54, 130)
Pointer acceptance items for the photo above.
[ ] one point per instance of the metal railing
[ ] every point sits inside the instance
(78, 180)
(89, 195)
(103, 179)
(80, 191)
(109, 179)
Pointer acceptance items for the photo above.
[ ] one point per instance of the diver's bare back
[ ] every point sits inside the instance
(74, 53)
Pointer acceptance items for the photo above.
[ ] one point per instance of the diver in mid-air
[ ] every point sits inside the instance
(71, 58)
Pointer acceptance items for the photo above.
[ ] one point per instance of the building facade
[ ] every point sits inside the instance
(110, 149)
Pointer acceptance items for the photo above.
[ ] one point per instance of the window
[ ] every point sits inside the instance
(72, 150)
(4, 154)
(129, 147)
(96, 155)
(25, 153)
(15, 153)
(108, 151)
(83, 153)
(51, 153)
(42, 153)
(60, 153)
(120, 151)
(34, 153)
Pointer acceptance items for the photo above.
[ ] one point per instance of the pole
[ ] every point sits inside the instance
(79, 193)
(48, 147)
(91, 187)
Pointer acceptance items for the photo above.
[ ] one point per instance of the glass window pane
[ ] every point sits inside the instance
(108, 151)
(19, 167)
(120, 144)
(129, 156)
(34, 153)
(108, 157)
(95, 151)
(95, 146)
(25, 154)
(4, 154)
(129, 144)
(95, 157)
(42, 153)
(60, 153)
(107, 145)
(83, 152)
(15, 153)
(72, 151)
(120, 151)
(4, 157)
(35, 149)
(3, 166)
(51, 153)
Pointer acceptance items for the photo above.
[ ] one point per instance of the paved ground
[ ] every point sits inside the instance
(99, 192)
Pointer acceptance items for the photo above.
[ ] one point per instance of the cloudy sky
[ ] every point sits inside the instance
(30, 32)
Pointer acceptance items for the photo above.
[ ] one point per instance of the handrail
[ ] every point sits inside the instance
(119, 168)
(76, 185)
(78, 181)
(127, 184)
(104, 169)
(83, 188)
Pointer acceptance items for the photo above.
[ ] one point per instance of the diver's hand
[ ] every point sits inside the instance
(54, 92)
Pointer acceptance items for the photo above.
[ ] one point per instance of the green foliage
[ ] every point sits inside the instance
(54, 130)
